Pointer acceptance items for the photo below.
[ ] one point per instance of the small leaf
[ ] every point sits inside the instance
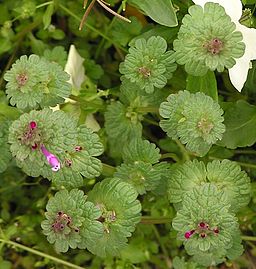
(161, 11)
(141, 150)
(47, 17)
(240, 121)
(206, 84)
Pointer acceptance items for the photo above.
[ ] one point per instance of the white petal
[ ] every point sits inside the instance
(249, 38)
(74, 67)
(238, 73)
(232, 7)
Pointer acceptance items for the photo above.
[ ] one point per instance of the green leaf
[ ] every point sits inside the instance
(227, 175)
(120, 212)
(47, 17)
(161, 11)
(141, 150)
(206, 84)
(143, 176)
(240, 122)
(9, 112)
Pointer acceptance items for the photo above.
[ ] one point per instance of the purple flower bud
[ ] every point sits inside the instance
(51, 159)
(32, 125)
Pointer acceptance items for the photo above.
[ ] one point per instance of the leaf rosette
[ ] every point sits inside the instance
(196, 119)
(33, 82)
(205, 225)
(208, 40)
(120, 212)
(138, 168)
(56, 132)
(225, 175)
(148, 64)
(67, 214)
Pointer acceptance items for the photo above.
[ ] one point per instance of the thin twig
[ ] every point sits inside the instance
(41, 254)
(87, 12)
(113, 12)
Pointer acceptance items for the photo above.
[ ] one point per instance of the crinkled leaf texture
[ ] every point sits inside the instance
(138, 168)
(206, 204)
(75, 147)
(64, 217)
(35, 82)
(122, 125)
(143, 176)
(208, 40)
(196, 119)
(225, 175)
(120, 214)
(148, 64)
(141, 150)
(4, 146)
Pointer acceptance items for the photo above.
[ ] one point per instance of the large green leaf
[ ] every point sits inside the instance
(161, 11)
(206, 84)
(240, 121)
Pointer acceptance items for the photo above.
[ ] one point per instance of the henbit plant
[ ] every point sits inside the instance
(195, 119)
(171, 193)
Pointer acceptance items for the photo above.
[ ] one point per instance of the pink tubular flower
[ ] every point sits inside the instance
(51, 159)
(189, 234)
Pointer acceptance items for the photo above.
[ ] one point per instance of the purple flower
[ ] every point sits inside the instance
(51, 159)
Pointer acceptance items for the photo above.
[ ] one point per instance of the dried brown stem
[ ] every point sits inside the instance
(87, 12)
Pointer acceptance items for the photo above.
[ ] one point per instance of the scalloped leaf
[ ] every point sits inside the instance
(227, 175)
(120, 214)
(143, 176)
(206, 204)
(64, 219)
(184, 178)
(90, 141)
(141, 150)
(5, 147)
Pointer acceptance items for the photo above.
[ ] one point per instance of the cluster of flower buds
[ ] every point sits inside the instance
(203, 229)
(51, 158)
(63, 220)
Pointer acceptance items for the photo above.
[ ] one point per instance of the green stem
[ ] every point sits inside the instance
(39, 253)
(183, 150)
(170, 155)
(148, 109)
(90, 27)
(152, 122)
(165, 252)
(108, 170)
(155, 220)
(252, 152)
(45, 4)
(248, 238)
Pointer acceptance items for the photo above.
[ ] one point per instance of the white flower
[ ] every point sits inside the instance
(238, 73)
(74, 67)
